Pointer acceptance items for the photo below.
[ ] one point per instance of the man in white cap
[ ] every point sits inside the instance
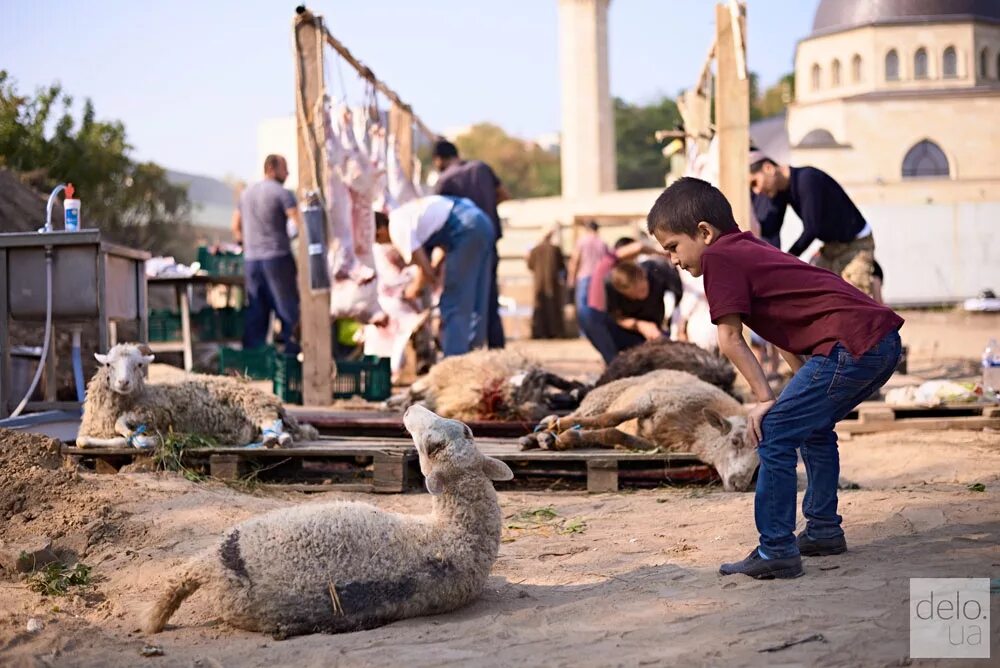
(827, 214)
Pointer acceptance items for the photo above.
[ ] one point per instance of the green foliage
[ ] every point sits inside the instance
(56, 578)
(772, 101)
(640, 159)
(525, 168)
(169, 454)
(131, 202)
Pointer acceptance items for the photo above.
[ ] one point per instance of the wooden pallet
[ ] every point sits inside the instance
(389, 424)
(390, 465)
(874, 416)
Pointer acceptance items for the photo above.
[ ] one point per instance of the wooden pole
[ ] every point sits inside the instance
(315, 305)
(366, 73)
(401, 125)
(732, 112)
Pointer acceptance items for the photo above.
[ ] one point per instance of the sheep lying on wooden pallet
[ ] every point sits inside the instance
(666, 409)
(663, 353)
(121, 408)
(348, 566)
(491, 385)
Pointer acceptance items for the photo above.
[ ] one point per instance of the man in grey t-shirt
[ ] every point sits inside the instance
(260, 224)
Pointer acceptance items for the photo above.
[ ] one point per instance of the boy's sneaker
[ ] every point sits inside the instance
(765, 569)
(820, 547)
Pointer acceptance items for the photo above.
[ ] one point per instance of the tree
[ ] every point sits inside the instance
(132, 203)
(774, 100)
(640, 160)
(524, 167)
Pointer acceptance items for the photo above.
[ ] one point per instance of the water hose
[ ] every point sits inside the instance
(45, 337)
(78, 366)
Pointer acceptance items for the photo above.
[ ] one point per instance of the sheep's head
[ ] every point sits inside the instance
(127, 365)
(446, 449)
(735, 460)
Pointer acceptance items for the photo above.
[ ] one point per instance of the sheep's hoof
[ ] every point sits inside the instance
(568, 439)
(546, 440)
(548, 422)
(284, 440)
(529, 442)
(270, 440)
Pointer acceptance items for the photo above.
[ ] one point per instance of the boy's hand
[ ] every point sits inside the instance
(754, 419)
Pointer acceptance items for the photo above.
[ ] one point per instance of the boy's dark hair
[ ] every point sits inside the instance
(625, 275)
(759, 165)
(623, 241)
(687, 202)
(381, 220)
(592, 225)
(444, 149)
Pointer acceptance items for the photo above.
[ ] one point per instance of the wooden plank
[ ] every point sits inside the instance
(227, 467)
(314, 316)
(920, 424)
(602, 475)
(184, 303)
(732, 118)
(401, 126)
(876, 414)
(390, 472)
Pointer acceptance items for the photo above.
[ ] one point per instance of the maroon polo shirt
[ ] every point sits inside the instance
(798, 307)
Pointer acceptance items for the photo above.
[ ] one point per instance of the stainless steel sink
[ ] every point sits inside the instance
(92, 280)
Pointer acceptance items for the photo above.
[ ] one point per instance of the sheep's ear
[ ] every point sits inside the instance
(496, 469)
(103, 359)
(434, 482)
(717, 421)
(148, 359)
(144, 349)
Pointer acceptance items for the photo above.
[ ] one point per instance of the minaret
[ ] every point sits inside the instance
(587, 142)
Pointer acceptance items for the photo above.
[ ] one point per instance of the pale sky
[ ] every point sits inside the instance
(192, 80)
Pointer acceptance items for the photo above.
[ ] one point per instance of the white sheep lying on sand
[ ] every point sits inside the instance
(120, 405)
(349, 566)
(668, 409)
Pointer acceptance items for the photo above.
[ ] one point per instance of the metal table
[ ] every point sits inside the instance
(182, 286)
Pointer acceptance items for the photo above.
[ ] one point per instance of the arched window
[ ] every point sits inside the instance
(892, 66)
(835, 72)
(920, 64)
(856, 68)
(984, 64)
(818, 138)
(925, 159)
(816, 73)
(949, 63)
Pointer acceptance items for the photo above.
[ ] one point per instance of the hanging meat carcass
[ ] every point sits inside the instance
(401, 188)
(351, 181)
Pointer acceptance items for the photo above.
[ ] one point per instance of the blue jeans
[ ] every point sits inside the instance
(600, 329)
(469, 242)
(494, 327)
(271, 285)
(821, 394)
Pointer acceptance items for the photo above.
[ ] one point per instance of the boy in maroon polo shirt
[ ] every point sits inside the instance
(852, 344)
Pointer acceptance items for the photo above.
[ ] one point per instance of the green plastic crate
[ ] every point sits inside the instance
(258, 363)
(220, 264)
(369, 377)
(288, 379)
(164, 325)
(232, 322)
(207, 324)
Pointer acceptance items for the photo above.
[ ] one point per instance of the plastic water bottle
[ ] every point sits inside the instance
(71, 210)
(991, 367)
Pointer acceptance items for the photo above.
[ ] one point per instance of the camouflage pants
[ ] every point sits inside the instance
(852, 260)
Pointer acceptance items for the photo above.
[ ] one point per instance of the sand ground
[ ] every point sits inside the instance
(636, 587)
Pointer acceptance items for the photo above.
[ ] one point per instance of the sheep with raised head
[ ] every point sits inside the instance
(349, 566)
(120, 406)
(664, 409)
(491, 385)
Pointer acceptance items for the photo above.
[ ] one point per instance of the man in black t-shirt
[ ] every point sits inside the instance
(635, 292)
